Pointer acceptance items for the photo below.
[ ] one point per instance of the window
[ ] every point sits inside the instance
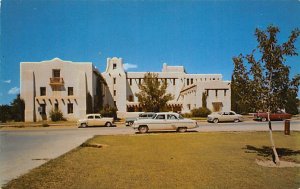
(56, 107)
(97, 117)
(115, 103)
(214, 78)
(56, 73)
(207, 92)
(173, 81)
(140, 81)
(187, 82)
(172, 117)
(114, 66)
(90, 117)
(70, 108)
(42, 91)
(225, 92)
(130, 82)
(70, 91)
(42, 109)
(115, 80)
(115, 92)
(192, 81)
(216, 92)
(160, 117)
(189, 106)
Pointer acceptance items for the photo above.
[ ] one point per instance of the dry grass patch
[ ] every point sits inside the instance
(170, 160)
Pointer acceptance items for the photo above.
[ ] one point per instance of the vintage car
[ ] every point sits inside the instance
(95, 120)
(229, 116)
(164, 121)
(147, 115)
(278, 116)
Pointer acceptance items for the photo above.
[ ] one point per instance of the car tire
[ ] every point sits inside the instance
(236, 120)
(182, 129)
(216, 120)
(83, 125)
(130, 123)
(143, 129)
(108, 124)
(263, 119)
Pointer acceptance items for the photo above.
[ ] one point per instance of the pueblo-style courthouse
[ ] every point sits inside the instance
(78, 88)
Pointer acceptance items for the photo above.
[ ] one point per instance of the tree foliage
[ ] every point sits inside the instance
(267, 83)
(153, 96)
(14, 111)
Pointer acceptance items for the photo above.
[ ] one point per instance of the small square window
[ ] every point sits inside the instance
(70, 91)
(114, 66)
(56, 73)
(42, 91)
(115, 80)
(115, 92)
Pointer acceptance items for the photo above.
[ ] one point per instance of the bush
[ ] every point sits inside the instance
(187, 115)
(200, 112)
(56, 115)
(109, 112)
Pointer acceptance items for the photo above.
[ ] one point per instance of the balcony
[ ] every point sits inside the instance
(56, 81)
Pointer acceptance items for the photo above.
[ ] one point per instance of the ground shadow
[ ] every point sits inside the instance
(266, 151)
(149, 132)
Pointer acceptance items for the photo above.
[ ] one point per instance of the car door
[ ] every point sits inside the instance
(98, 120)
(158, 123)
(90, 120)
(224, 116)
(172, 122)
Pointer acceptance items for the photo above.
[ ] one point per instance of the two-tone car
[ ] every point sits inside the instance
(95, 120)
(164, 121)
(147, 115)
(229, 116)
(278, 116)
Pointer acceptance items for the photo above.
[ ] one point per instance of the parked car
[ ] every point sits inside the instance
(164, 121)
(229, 116)
(95, 120)
(148, 115)
(263, 116)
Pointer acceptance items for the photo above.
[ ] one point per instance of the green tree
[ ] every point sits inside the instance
(153, 95)
(18, 109)
(5, 113)
(239, 86)
(292, 100)
(269, 87)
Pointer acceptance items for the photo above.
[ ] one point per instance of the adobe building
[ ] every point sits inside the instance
(78, 88)
(187, 89)
(74, 88)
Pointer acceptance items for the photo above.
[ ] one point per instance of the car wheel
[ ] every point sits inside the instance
(108, 124)
(143, 129)
(263, 119)
(130, 123)
(216, 120)
(236, 120)
(182, 129)
(83, 125)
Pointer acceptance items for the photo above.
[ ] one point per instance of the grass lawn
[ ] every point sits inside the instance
(171, 160)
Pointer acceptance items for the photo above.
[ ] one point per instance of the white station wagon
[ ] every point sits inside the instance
(95, 120)
(164, 121)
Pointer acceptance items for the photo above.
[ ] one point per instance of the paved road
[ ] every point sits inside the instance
(25, 149)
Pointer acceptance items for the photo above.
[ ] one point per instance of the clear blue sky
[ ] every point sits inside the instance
(201, 35)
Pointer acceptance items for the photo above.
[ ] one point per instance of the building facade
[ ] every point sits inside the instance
(187, 89)
(74, 88)
(78, 88)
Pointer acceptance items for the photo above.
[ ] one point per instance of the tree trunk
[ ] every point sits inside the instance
(275, 155)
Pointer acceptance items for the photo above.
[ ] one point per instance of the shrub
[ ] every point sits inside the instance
(56, 115)
(187, 115)
(109, 112)
(200, 112)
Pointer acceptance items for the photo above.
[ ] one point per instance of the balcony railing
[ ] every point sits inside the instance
(56, 81)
